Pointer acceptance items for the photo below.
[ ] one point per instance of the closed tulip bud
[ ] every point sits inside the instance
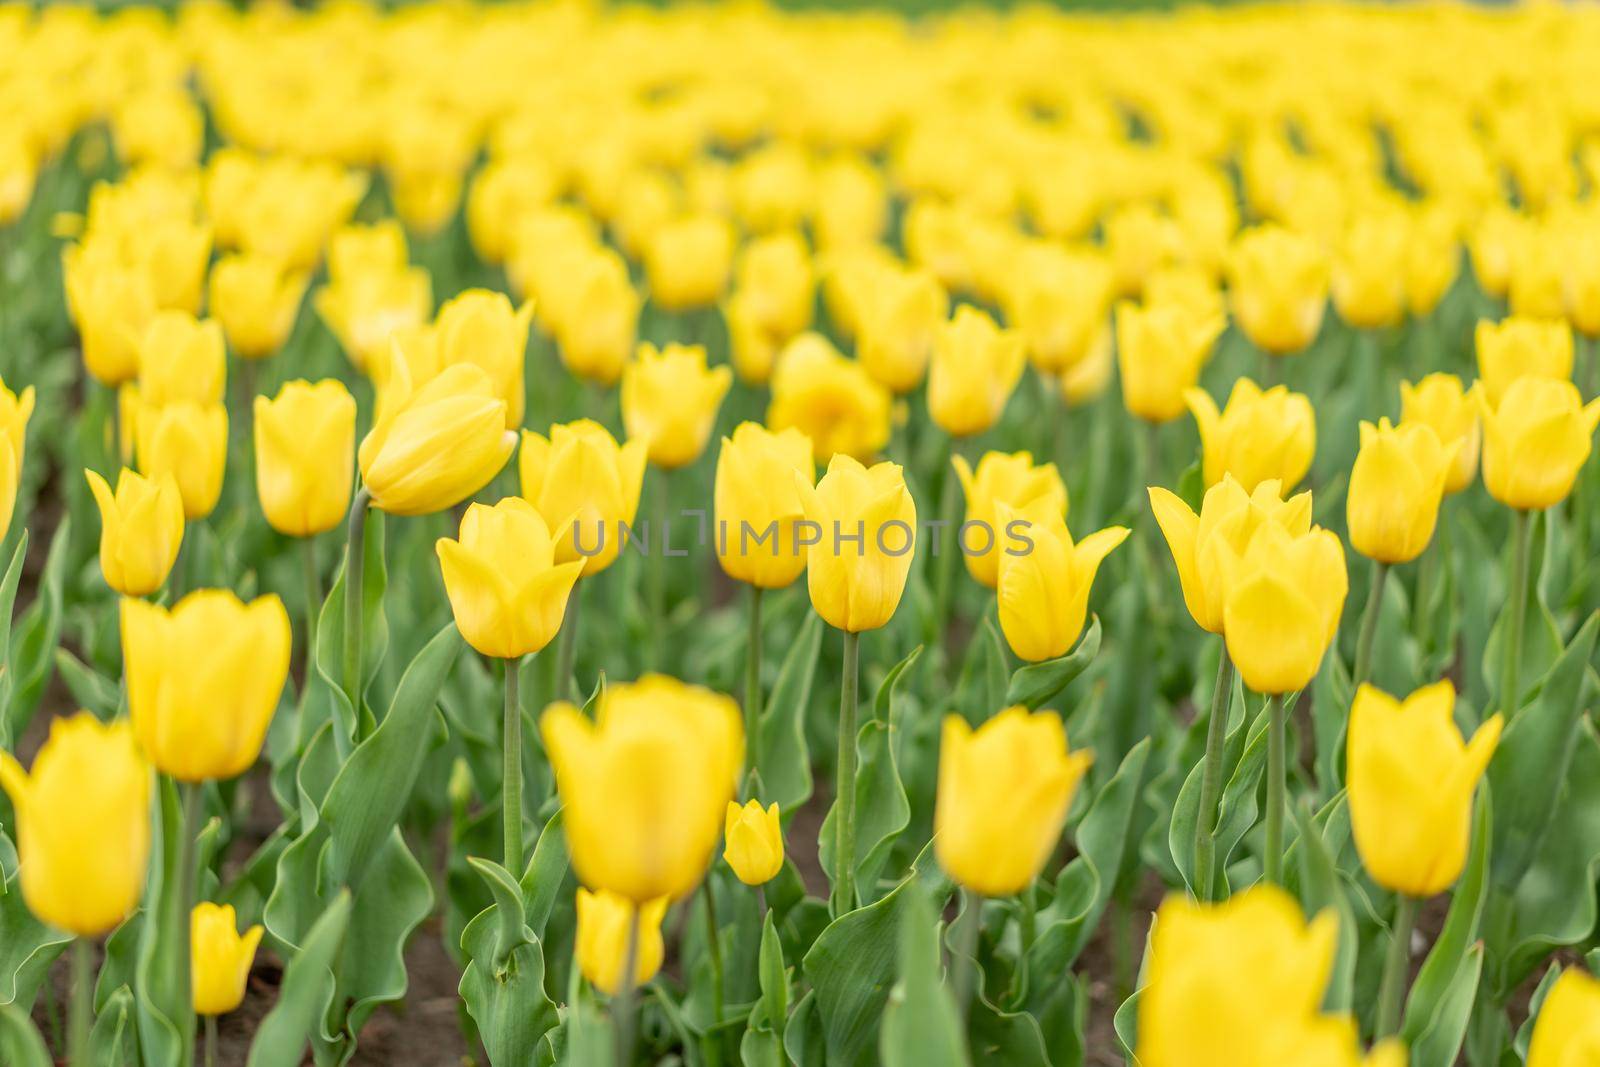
(1283, 606)
(1567, 1032)
(357, 251)
(1207, 547)
(774, 272)
(1045, 578)
(852, 205)
(1440, 402)
(111, 304)
(670, 400)
(758, 504)
(598, 331)
(220, 957)
(16, 409)
(899, 321)
(437, 445)
(175, 253)
(1161, 349)
(505, 189)
(1411, 780)
(1058, 299)
(1278, 283)
(867, 523)
(645, 786)
(1538, 271)
(976, 366)
(601, 941)
(182, 359)
(580, 474)
(1259, 436)
(1088, 379)
(305, 442)
(1001, 479)
(1536, 441)
(1004, 791)
(482, 327)
(256, 300)
(752, 349)
(83, 824)
(1521, 348)
(829, 398)
(506, 589)
(1490, 244)
(688, 262)
(366, 311)
(204, 678)
(1433, 259)
(141, 529)
(754, 842)
(1369, 270)
(1395, 488)
(189, 442)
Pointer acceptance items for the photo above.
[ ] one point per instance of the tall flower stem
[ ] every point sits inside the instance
(656, 574)
(844, 824)
(1205, 831)
(565, 687)
(714, 947)
(964, 966)
(948, 546)
(1396, 967)
(355, 564)
(180, 899)
(752, 680)
(1277, 773)
(81, 1008)
(511, 772)
(1369, 623)
(313, 592)
(625, 1005)
(211, 1041)
(1516, 606)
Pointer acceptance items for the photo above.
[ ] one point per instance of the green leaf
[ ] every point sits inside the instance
(1034, 685)
(1541, 637)
(981, 689)
(27, 946)
(111, 1042)
(921, 1027)
(1237, 813)
(509, 915)
(1186, 809)
(164, 1013)
(547, 870)
(502, 986)
(35, 637)
(781, 751)
(774, 976)
(1321, 888)
(1440, 1044)
(280, 1041)
(374, 632)
(90, 690)
(20, 1043)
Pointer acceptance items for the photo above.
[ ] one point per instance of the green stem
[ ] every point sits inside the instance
(313, 591)
(963, 967)
(752, 680)
(82, 1005)
(511, 772)
(949, 544)
(656, 576)
(1369, 623)
(1427, 578)
(625, 1005)
(1396, 967)
(183, 903)
(1276, 783)
(211, 1041)
(844, 851)
(714, 947)
(1205, 841)
(566, 688)
(1516, 604)
(355, 562)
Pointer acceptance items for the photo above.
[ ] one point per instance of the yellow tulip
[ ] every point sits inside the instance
(1003, 796)
(1536, 441)
(174, 253)
(1058, 299)
(220, 957)
(82, 823)
(645, 786)
(1433, 259)
(1259, 436)
(688, 262)
(481, 327)
(364, 313)
(19, 170)
(506, 589)
(256, 300)
(505, 189)
(436, 445)
(754, 842)
(16, 409)
(1538, 271)
(357, 251)
(1442, 403)
(305, 441)
(1582, 277)
(1140, 240)
(128, 405)
(1278, 284)
(579, 474)
(111, 304)
(774, 273)
(831, 399)
(1161, 349)
(189, 442)
(1369, 270)
(596, 333)
(1045, 578)
(670, 400)
(1490, 245)
(865, 524)
(203, 679)
(1283, 605)
(1000, 479)
(1411, 780)
(976, 366)
(1521, 348)
(1567, 1032)
(182, 359)
(141, 529)
(1395, 488)
(899, 319)
(852, 205)
(757, 504)
(601, 941)
(1207, 547)
(752, 348)
(1088, 379)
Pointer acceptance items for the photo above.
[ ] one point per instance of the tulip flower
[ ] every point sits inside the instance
(976, 366)
(189, 443)
(1088, 379)
(1538, 271)
(1282, 606)
(182, 360)
(899, 321)
(1433, 259)
(754, 842)
(1045, 579)
(1582, 278)
(1003, 796)
(363, 251)
(364, 312)
(1369, 270)
(1442, 403)
(1140, 240)
(773, 272)
(751, 348)
(438, 444)
(305, 456)
(1278, 285)
(601, 943)
(82, 824)
(1259, 436)
(505, 189)
(852, 204)
(758, 504)
(688, 262)
(256, 300)
(141, 530)
(1490, 245)
(857, 568)
(111, 304)
(175, 253)
(1521, 348)
(1536, 439)
(220, 957)
(1001, 479)
(16, 409)
(646, 785)
(1567, 1031)
(580, 474)
(1395, 489)
(204, 678)
(1161, 349)
(830, 399)
(481, 327)
(670, 400)
(597, 331)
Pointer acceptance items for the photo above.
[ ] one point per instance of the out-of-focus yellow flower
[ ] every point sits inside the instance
(1395, 488)
(645, 786)
(646, 201)
(852, 205)
(976, 366)
(1491, 244)
(188, 441)
(256, 301)
(1059, 299)
(1278, 284)
(754, 842)
(596, 332)
(504, 189)
(358, 251)
(1442, 403)
(1088, 379)
(18, 172)
(1433, 259)
(580, 474)
(506, 589)
(1140, 240)
(601, 942)
(1567, 1031)
(774, 274)
(1519, 348)
(16, 409)
(1582, 277)
(1411, 781)
(670, 400)
(831, 399)
(1283, 604)
(437, 445)
(688, 262)
(204, 679)
(753, 349)
(1369, 270)
(1161, 349)
(83, 824)
(365, 312)
(141, 529)
(182, 359)
(158, 126)
(305, 442)
(899, 321)
(1001, 478)
(866, 526)
(479, 326)
(772, 187)
(758, 504)
(220, 957)
(1004, 791)
(174, 253)
(1045, 578)
(1207, 547)
(1538, 270)
(1536, 441)
(1258, 436)
(112, 305)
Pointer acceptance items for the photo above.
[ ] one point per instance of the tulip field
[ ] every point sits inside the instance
(568, 533)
